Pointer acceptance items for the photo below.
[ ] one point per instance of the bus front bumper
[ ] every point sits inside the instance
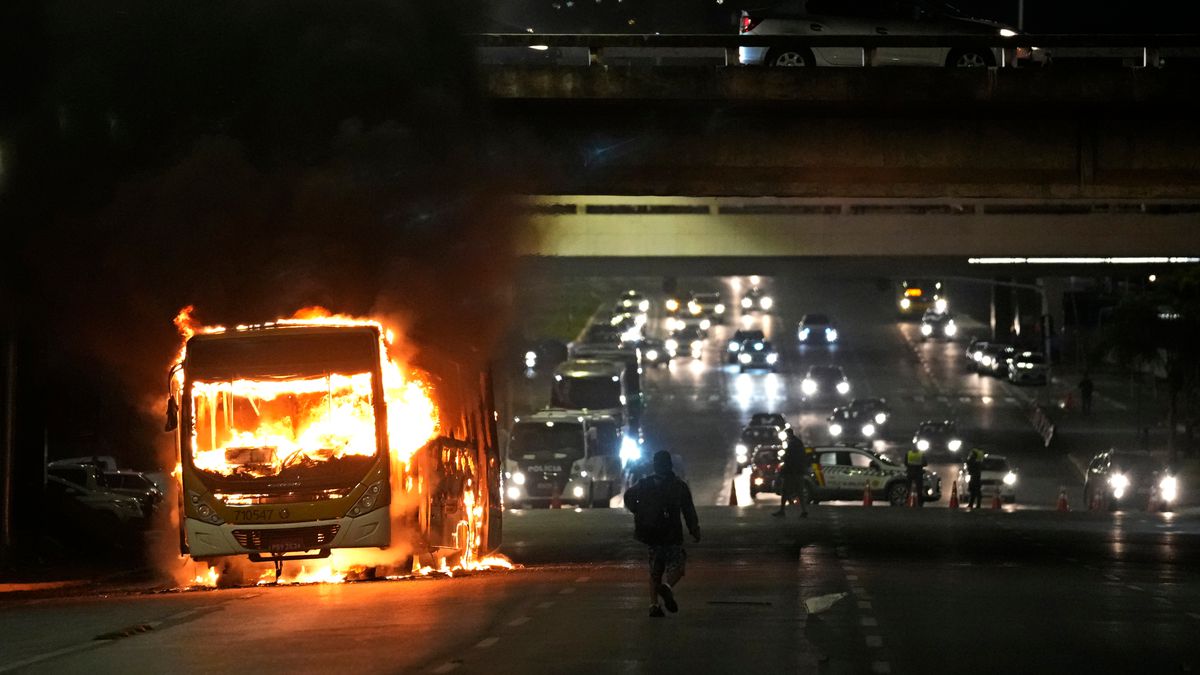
(369, 530)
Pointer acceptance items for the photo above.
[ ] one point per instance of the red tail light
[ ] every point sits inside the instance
(748, 24)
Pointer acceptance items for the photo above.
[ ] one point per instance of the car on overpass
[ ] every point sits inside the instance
(706, 304)
(819, 329)
(841, 472)
(805, 18)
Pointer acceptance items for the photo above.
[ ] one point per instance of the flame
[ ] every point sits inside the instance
(207, 579)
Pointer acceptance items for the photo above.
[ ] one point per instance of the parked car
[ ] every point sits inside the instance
(78, 501)
(135, 484)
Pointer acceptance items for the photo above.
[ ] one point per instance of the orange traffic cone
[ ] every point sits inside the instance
(556, 500)
(996, 501)
(867, 499)
(954, 495)
(912, 499)
(733, 493)
(1062, 500)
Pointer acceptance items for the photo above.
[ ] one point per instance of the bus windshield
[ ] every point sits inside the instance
(592, 393)
(252, 429)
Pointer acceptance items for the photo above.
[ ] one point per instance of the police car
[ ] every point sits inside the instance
(844, 472)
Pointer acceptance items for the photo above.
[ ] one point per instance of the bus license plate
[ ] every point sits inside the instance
(286, 544)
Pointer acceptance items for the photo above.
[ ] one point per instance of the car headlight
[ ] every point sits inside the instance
(975, 356)
(1010, 478)
(868, 430)
(831, 335)
(950, 329)
(803, 333)
(835, 429)
(772, 358)
(926, 329)
(671, 344)
(741, 451)
(733, 346)
(808, 386)
(940, 305)
(880, 417)
(843, 387)
(747, 302)
(766, 302)
(577, 491)
(1007, 32)
(922, 445)
(652, 354)
(954, 444)
(1168, 488)
(985, 360)
(631, 450)
(705, 324)
(719, 309)
(697, 346)
(514, 492)
(694, 308)
(672, 305)
(518, 478)
(644, 306)
(1119, 482)
(905, 303)
(744, 358)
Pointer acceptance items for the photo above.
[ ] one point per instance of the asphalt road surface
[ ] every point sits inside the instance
(1022, 590)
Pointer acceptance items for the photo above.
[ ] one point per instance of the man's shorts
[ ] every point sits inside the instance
(667, 558)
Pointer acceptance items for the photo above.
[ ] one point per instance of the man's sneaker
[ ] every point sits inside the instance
(668, 596)
(656, 612)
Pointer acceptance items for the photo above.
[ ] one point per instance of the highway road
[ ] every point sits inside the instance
(1025, 589)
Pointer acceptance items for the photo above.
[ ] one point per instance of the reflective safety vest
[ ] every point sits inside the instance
(914, 458)
(977, 455)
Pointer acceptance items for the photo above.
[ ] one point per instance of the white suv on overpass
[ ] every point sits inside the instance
(870, 18)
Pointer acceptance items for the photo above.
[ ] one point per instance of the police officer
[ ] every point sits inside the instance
(975, 476)
(914, 460)
(796, 460)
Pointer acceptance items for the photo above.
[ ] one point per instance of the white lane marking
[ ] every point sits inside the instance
(581, 580)
(567, 591)
(1112, 577)
(1132, 587)
(545, 605)
(851, 577)
(874, 641)
(486, 642)
(1194, 615)
(881, 667)
(864, 604)
(446, 667)
(1165, 601)
(869, 621)
(858, 590)
(519, 621)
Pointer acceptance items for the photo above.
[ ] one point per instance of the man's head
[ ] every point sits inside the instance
(662, 462)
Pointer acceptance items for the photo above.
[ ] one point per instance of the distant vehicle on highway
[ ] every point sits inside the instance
(817, 329)
(706, 304)
(753, 436)
(545, 355)
(757, 355)
(937, 436)
(757, 300)
(974, 353)
(686, 341)
(739, 338)
(1117, 480)
(634, 301)
(824, 382)
(860, 420)
(875, 409)
(844, 473)
(1028, 368)
(997, 477)
(776, 420)
(872, 17)
(916, 298)
(654, 352)
(995, 358)
(938, 326)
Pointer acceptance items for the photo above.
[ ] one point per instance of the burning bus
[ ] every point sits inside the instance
(302, 436)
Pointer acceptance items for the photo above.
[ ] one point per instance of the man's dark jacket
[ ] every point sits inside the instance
(667, 494)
